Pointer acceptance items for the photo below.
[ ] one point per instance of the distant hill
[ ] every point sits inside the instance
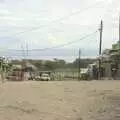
(66, 54)
(57, 63)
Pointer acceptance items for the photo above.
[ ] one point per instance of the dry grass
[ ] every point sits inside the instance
(93, 100)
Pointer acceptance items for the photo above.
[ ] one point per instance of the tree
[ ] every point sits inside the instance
(83, 62)
(50, 65)
(57, 63)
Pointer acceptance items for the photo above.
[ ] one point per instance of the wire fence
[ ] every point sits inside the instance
(62, 75)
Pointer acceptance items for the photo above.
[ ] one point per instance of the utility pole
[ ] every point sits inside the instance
(22, 64)
(119, 27)
(22, 53)
(27, 49)
(119, 44)
(79, 65)
(1, 69)
(100, 48)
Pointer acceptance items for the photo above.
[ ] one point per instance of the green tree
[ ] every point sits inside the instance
(83, 62)
(50, 65)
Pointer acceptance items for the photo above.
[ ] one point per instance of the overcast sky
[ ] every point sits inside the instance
(52, 22)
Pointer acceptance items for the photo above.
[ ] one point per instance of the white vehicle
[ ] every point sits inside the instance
(45, 77)
(37, 77)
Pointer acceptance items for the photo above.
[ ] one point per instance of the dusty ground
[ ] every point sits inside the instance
(93, 100)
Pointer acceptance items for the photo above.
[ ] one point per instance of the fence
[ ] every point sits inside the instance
(64, 75)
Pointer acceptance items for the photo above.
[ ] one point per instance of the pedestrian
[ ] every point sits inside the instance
(114, 71)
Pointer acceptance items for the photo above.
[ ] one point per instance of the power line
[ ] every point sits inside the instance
(69, 43)
(60, 19)
(62, 45)
(57, 20)
(42, 26)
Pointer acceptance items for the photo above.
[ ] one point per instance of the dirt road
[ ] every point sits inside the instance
(93, 100)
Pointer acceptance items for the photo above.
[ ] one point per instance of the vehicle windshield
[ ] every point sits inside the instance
(45, 75)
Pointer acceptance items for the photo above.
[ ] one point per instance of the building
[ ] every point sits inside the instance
(110, 59)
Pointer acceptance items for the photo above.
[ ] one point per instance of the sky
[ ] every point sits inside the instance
(44, 24)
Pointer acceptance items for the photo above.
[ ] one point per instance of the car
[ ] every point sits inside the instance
(45, 77)
(84, 74)
(37, 77)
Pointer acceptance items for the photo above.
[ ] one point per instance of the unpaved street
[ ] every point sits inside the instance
(90, 100)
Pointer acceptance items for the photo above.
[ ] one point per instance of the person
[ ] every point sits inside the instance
(95, 73)
(114, 71)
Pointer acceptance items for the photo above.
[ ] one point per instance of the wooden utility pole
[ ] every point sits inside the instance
(100, 49)
(119, 27)
(27, 49)
(79, 65)
(22, 64)
(119, 44)
(1, 60)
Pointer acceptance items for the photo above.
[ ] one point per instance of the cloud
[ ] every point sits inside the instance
(108, 1)
(17, 16)
(4, 12)
(1, 1)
